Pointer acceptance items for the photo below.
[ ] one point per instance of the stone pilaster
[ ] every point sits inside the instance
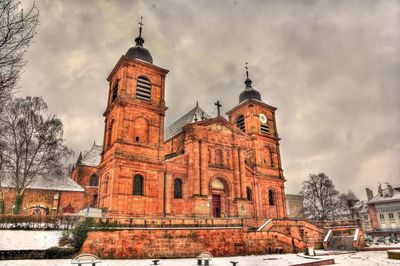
(196, 167)
(236, 173)
(242, 170)
(168, 189)
(203, 169)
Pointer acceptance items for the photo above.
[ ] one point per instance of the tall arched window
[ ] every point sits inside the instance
(240, 123)
(271, 199)
(138, 185)
(143, 89)
(248, 190)
(93, 182)
(177, 189)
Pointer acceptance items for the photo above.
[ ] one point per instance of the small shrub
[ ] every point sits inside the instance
(65, 239)
(17, 203)
(2, 206)
(80, 232)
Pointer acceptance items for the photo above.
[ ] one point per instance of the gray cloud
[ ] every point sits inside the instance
(331, 68)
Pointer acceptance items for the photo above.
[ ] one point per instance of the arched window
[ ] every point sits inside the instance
(240, 123)
(143, 89)
(93, 182)
(271, 197)
(138, 185)
(177, 189)
(248, 190)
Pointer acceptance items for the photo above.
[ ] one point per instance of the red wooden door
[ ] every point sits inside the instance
(216, 201)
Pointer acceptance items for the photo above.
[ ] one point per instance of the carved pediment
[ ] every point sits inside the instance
(219, 127)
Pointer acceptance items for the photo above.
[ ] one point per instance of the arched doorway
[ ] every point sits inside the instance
(219, 201)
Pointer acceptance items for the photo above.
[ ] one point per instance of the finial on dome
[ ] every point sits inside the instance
(247, 81)
(140, 26)
(139, 40)
(138, 51)
(249, 92)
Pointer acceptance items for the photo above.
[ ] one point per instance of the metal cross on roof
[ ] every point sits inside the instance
(218, 107)
(247, 70)
(140, 25)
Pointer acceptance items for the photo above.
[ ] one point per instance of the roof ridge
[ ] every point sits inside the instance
(188, 118)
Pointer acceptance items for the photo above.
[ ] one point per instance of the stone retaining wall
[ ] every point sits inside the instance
(181, 243)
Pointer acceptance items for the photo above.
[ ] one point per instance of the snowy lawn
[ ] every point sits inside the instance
(353, 259)
(19, 239)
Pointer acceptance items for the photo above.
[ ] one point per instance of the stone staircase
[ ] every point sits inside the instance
(341, 243)
(340, 238)
(331, 236)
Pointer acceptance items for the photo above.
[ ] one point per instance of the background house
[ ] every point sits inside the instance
(384, 210)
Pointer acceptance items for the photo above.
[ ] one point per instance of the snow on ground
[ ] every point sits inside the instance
(20, 239)
(353, 259)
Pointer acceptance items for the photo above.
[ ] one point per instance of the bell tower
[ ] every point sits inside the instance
(257, 120)
(133, 150)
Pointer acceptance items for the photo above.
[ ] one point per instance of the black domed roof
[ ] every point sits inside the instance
(141, 53)
(249, 92)
(138, 51)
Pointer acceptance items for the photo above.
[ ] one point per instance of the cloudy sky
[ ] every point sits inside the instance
(332, 68)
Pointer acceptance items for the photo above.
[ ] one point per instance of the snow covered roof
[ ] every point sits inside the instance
(386, 196)
(59, 183)
(176, 127)
(92, 157)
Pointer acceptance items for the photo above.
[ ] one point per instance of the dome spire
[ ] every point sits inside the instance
(249, 92)
(138, 51)
(247, 81)
(139, 40)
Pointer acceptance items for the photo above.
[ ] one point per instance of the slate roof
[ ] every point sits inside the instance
(59, 183)
(176, 127)
(92, 157)
(386, 196)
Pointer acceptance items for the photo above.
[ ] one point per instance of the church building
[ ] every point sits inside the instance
(200, 166)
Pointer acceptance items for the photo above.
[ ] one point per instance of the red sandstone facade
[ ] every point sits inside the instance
(211, 168)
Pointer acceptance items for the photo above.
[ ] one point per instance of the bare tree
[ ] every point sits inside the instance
(347, 202)
(320, 198)
(33, 143)
(17, 28)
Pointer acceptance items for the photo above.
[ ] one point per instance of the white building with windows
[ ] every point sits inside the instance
(384, 209)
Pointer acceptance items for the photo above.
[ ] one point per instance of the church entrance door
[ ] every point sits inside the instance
(216, 203)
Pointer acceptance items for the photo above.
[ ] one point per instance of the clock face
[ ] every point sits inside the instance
(263, 118)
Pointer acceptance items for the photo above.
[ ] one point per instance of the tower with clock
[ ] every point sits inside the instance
(257, 120)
